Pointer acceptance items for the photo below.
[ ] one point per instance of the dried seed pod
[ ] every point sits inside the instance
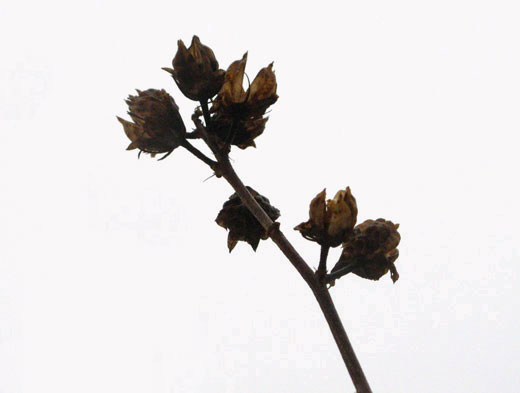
(251, 103)
(157, 126)
(232, 91)
(238, 115)
(342, 214)
(330, 222)
(240, 133)
(195, 70)
(241, 224)
(262, 92)
(372, 249)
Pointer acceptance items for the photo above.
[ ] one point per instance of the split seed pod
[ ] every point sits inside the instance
(238, 114)
(330, 222)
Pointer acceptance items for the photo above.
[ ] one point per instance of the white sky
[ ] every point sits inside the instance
(114, 276)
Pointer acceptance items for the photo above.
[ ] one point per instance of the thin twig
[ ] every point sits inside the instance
(341, 272)
(193, 135)
(200, 155)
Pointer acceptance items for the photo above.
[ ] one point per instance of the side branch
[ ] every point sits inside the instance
(341, 272)
(201, 156)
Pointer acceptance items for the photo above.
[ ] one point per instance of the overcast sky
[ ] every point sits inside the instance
(114, 276)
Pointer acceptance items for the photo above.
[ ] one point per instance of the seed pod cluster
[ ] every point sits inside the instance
(237, 116)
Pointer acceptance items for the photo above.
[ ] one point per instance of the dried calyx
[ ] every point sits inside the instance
(195, 70)
(241, 223)
(330, 222)
(157, 126)
(371, 251)
(238, 114)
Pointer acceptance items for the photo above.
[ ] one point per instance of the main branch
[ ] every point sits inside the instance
(320, 291)
(318, 286)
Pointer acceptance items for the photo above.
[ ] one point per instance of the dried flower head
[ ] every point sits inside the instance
(195, 70)
(157, 126)
(232, 98)
(372, 249)
(241, 223)
(330, 222)
(238, 115)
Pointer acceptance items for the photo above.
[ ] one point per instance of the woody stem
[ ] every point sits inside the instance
(317, 286)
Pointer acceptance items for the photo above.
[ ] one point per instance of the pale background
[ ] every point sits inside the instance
(114, 276)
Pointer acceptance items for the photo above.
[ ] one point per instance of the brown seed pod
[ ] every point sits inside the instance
(241, 224)
(238, 115)
(157, 126)
(195, 70)
(372, 250)
(330, 222)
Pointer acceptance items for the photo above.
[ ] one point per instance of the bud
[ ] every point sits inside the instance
(330, 223)
(372, 249)
(195, 70)
(238, 115)
(241, 223)
(158, 126)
